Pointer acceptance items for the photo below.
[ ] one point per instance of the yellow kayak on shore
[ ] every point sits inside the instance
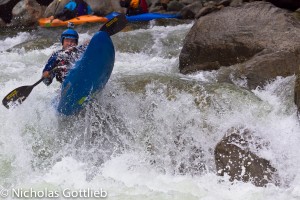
(46, 22)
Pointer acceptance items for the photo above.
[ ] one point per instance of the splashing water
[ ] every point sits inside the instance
(150, 134)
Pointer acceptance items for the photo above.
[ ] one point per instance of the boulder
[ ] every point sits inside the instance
(206, 10)
(234, 158)
(44, 2)
(235, 3)
(26, 12)
(6, 7)
(258, 40)
(4, 2)
(101, 7)
(190, 11)
(175, 6)
(2, 23)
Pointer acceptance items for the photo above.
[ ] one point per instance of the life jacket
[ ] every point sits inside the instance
(135, 7)
(65, 60)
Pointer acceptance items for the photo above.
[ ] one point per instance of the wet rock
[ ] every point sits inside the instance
(190, 11)
(235, 3)
(2, 23)
(224, 3)
(234, 158)
(6, 7)
(249, 38)
(266, 67)
(187, 2)
(158, 5)
(26, 12)
(297, 91)
(4, 2)
(55, 7)
(103, 7)
(44, 2)
(175, 6)
(206, 10)
(116, 6)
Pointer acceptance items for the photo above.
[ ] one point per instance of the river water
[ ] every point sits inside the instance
(150, 134)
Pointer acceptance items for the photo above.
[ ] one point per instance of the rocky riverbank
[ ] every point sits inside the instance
(27, 12)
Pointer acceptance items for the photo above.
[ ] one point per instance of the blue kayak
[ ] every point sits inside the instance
(144, 16)
(89, 74)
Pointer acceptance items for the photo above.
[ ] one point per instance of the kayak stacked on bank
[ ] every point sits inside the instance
(145, 16)
(46, 22)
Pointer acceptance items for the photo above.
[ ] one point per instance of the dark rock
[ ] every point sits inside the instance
(259, 41)
(175, 6)
(206, 10)
(288, 4)
(55, 7)
(235, 3)
(224, 3)
(267, 67)
(4, 2)
(190, 11)
(44, 2)
(6, 10)
(26, 13)
(233, 157)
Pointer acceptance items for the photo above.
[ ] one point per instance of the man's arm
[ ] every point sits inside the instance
(48, 76)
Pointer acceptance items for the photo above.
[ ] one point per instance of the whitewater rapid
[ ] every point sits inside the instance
(123, 142)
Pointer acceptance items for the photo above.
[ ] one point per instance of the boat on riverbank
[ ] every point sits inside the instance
(46, 22)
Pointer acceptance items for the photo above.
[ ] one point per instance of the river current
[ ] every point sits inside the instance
(151, 132)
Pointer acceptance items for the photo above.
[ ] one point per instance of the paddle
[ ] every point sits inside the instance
(18, 95)
(114, 25)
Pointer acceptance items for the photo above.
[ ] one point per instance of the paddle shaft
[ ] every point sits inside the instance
(38, 82)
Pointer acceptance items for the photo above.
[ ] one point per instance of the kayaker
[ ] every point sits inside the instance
(72, 9)
(63, 59)
(134, 7)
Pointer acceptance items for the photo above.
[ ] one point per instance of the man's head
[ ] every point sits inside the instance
(69, 38)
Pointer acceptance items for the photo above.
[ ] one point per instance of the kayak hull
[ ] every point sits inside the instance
(89, 74)
(144, 16)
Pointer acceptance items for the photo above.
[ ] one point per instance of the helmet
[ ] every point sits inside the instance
(69, 33)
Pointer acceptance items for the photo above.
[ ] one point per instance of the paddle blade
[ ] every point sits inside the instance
(17, 96)
(114, 25)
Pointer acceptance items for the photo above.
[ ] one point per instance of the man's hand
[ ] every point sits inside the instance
(46, 74)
